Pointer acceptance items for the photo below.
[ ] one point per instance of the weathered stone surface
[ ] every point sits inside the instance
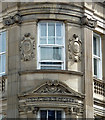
(21, 22)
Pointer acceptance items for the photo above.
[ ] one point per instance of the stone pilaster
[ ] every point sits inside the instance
(87, 69)
(13, 68)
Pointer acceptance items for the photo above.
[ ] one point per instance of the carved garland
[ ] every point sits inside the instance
(27, 47)
(75, 48)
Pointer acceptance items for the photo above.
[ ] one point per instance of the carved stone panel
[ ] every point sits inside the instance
(27, 47)
(75, 48)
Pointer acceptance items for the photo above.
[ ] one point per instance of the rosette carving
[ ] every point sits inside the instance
(75, 48)
(27, 46)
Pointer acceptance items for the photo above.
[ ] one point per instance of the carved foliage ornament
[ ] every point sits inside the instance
(17, 18)
(27, 47)
(89, 22)
(75, 48)
(34, 109)
(73, 110)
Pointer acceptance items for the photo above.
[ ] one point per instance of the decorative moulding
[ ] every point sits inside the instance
(53, 92)
(27, 47)
(75, 48)
(17, 18)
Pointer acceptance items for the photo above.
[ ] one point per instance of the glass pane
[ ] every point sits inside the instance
(51, 40)
(51, 114)
(95, 45)
(3, 63)
(59, 41)
(58, 115)
(58, 29)
(0, 42)
(50, 53)
(51, 29)
(98, 46)
(43, 29)
(0, 64)
(43, 40)
(43, 114)
(51, 67)
(50, 63)
(95, 66)
(3, 41)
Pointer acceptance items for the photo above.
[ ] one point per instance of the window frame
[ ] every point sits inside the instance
(4, 52)
(97, 57)
(55, 109)
(39, 61)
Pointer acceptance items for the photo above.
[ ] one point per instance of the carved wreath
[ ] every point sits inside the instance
(27, 47)
(75, 48)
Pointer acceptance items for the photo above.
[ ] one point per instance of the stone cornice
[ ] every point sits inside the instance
(50, 71)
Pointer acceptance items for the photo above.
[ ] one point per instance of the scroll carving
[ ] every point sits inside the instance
(75, 48)
(89, 22)
(27, 47)
(17, 18)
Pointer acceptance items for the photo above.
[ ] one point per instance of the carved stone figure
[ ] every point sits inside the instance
(75, 48)
(27, 47)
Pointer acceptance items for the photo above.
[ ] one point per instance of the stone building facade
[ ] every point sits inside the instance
(52, 58)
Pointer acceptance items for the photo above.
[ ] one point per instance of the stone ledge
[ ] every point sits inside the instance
(100, 102)
(51, 71)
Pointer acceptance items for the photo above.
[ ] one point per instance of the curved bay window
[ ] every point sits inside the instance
(51, 45)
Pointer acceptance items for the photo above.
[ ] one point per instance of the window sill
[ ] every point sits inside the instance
(51, 71)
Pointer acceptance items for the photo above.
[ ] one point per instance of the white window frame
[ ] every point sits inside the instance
(2, 53)
(98, 58)
(56, 109)
(51, 45)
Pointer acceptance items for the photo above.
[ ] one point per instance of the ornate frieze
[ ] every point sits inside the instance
(27, 47)
(49, 99)
(75, 48)
(89, 22)
(17, 18)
